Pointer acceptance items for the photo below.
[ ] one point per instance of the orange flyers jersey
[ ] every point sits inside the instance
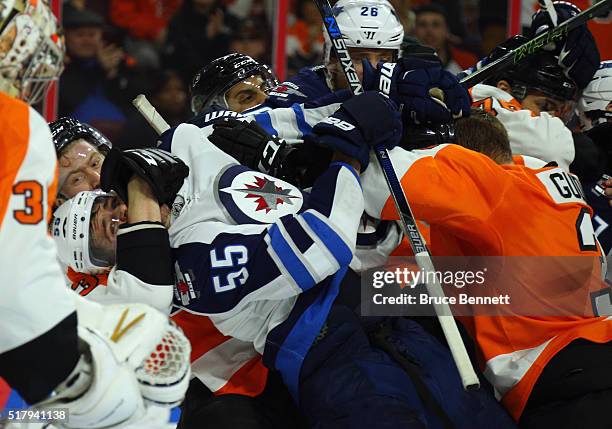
(226, 365)
(33, 297)
(475, 207)
(541, 136)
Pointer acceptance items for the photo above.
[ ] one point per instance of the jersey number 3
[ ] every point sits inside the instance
(234, 256)
(33, 212)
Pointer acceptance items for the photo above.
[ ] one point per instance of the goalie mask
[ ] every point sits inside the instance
(595, 104)
(85, 230)
(31, 49)
(212, 82)
(369, 24)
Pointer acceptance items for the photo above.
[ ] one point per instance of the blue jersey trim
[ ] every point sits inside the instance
(350, 167)
(301, 121)
(330, 238)
(290, 356)
(290, 260)
(264, 120)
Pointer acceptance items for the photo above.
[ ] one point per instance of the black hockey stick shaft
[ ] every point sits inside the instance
(536, 44)
(407, 220)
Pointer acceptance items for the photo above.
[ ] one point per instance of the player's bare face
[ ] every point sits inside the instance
(374, 56)
(246, 94)
(107, 214)
(538, 102)
(79, 168)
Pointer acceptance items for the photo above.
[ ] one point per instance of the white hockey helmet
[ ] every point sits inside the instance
(370, 24)
(31, 49)
(596, 97)
(70, 230)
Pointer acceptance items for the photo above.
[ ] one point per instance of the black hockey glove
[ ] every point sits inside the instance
(577, 54)
(248, 143)
(164, 172)
(253, 147)
(364, 121)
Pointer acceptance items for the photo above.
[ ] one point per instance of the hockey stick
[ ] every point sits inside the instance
(407, 221)
(548, 6)
(149, 112)
(536, 44)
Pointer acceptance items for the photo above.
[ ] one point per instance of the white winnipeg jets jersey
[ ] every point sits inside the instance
(540, 136)
(246, 246)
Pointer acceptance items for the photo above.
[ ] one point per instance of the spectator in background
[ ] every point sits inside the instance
(91, 85)
(145, 22)
(252, 39)
(431, 29)
(197, 34)
(492, 23)
(304, 36)
(168, 93)
(405, 14)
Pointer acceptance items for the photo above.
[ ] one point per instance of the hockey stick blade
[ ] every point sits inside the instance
(536, 44)
(407, 221)
(151, 114)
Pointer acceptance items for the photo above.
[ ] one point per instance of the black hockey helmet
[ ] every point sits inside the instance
(425, 135)
(209, 85)
(66, 130)
(541, 72)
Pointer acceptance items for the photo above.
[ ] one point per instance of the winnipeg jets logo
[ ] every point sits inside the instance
(252, 197)
(267, 195)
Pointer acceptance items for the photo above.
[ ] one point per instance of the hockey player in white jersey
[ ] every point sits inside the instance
(371, 31)
(84, 371)
(234, 82)
(535, 97)
(219, 246)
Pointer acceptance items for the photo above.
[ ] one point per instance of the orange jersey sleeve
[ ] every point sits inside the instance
(33, 296)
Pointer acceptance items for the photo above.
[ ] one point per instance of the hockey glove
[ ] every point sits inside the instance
(163, 171)
(248, 143)
(253, 147)
(363, 121)
(578, 54)
(411, 82)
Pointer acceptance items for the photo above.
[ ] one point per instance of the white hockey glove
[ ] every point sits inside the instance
(133, 355)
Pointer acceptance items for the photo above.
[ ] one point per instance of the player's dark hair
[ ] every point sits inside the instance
(484, 133)
(431, 8)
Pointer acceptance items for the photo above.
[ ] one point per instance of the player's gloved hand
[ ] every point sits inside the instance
(163, 171)
(248, 143)
(362, 122)
(412, 83)
(578, 53)
(253, 147)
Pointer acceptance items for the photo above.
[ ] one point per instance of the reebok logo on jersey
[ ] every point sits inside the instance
(343, 125)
